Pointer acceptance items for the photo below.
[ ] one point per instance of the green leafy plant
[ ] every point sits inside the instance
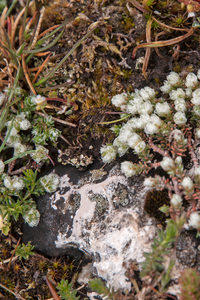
(65, 290)
(24, 251)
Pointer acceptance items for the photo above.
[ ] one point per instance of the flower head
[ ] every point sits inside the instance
(173, 78)
(108, 153)
(127, 168)
(191, 80)
(50, 182)
(194, 220)
(32, 217)
(176, 201)
(167, 163)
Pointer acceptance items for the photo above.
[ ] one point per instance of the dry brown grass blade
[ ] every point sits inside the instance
(13, 253)
(46, 31)
(26, 75)
(52, 290)
(40, 68)
(148, 50)
(38, 27)
(156, 49)
(2, 24)
(169, 27)
(139, 6)
(162, 43)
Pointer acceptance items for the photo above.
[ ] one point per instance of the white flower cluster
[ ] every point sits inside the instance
(14, 139)
(14, 183)
(32, 217)
(50, 182)
(40, 154)
(167, 117)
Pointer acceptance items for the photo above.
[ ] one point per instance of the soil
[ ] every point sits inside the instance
(98, 69)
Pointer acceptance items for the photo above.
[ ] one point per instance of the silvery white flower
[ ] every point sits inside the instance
(188, 92)
(40, 154)
(50, 182)
(125, 133)
(132, 108)
(191, 80)
(167, 163)
(2, 166)
(147, 93)
(133, 123)
(173, 78)
(150, 182)
(127, 168)
(180, 118)
(178, 160)
(25, 124)
(198, 74)
(137, 99)
(32, 217)
(151, 128)
(119, 99)
(198, 133)
(196, 97)
(196, 110)
(2, 98)
(13, 183)
(143, 120)
(108, 153)
(194, 220)
(163, 109)
(145, 108)
(177, 94)
(176, 201)
(197, 173)
(133, 140)
(180, 105)
(178, 134)
(140, 147)
(166, 88)
(19, 148)
(187, 183)
(13, 139)
(155, 120)
(121, 150)
(39, 99)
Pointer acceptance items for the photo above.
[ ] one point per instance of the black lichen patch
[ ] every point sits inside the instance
(154, 200)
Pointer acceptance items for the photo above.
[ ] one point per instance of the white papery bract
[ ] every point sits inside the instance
(196, 97)
(147, 93)
(191, 80)
(167, 163)
(166, 88)
(32, 217)
(194, 220)
(19, 148)
(163, 109)
(2, 166)
(174, 79)
(140, 147)
(13, 183)
(145, 108)
(119, 100)
(40, 154)
(108, 153)
(134, 140)
(150, 182)
(50, 182)
(180, 105)
(25, 124)
(151, 128)
(196, 110)
(187, 184)
(2, 98)
(127, 168)
(177, 94)
(176, 201)
(180, 118)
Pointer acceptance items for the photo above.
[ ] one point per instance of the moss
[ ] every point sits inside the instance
(154, 200)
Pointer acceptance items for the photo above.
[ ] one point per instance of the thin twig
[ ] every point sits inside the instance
(13, 293)
(13, 254)
(57, 120)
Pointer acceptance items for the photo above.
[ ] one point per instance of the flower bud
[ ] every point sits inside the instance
(194, 220)
(167, 164)
(128, 168)
(187, 184)
(176, 201)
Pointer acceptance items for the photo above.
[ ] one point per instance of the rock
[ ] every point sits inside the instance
(98, 213)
